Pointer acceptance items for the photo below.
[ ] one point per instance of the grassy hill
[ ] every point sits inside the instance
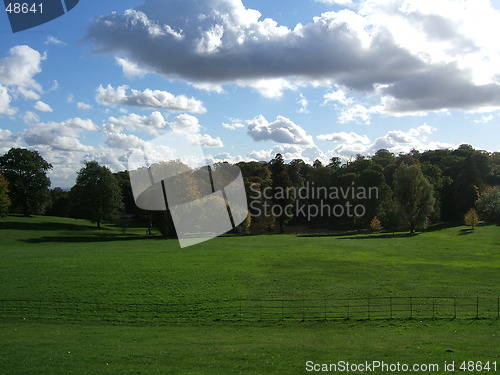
(65, 259)
(69, 260)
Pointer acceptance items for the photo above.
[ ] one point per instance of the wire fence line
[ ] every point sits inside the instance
(259, 309)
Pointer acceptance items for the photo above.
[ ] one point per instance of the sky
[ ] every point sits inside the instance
(309, 79)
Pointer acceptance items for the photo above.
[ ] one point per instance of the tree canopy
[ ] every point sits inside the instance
(414, 196)
(4, 197)
(96, 195)
(26, 172)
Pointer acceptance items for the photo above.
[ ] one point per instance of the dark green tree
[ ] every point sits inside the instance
(280, 183)
(488, 204)
(414, 195)
(59, 205)
(4, 197)
(26, 172)
(96, 195)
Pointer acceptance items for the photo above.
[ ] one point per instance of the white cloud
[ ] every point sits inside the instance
(233, 125)
(130, 68)
(226, 157)
(484, 119)
(303, 102)
(60, 135)
(351, 110)
(283, 130)
(408, 56)
(155, 99)
(349, 138)
(8, 140)
(396, 141)
(123, 141)
(268, 88)
(18, 69)
(346, 3)
(154, 124)
(151, 124)
(5, 100)
(206, 140)
(53, 40)
(290, 152)
(83, 106)
(30, 117)
(42, 107)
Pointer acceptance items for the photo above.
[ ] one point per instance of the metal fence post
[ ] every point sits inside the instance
(390, 304)
(454, 307)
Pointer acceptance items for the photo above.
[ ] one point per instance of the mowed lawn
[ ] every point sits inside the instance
(65, 259)
(69, 260)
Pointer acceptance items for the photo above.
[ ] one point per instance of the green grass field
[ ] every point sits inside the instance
(69, 260)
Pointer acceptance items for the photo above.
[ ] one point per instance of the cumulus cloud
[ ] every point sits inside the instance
(346, 3)
(484, 119)
(206, 140)
(303, 102)
(290, 152)
(42, 107)
(154, 124)
(5, 100)
(123, 141)
(30, 117)
(155, 99)
(151, 124)
(130, 68)
(236, 124)
(411, 56)
(18, 69)
(396, 141)
(53, 40)
(8, 140)
(60, 135)
(84, 106)
(344, 137)
(282, 130)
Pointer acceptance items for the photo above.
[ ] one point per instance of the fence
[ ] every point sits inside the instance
(260, 309)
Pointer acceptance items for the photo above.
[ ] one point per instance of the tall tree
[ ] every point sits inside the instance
(488, 204)
(4, 197)
(59, 205)
(26, 172)
(96, 195)
(280, 183)
(414, 195)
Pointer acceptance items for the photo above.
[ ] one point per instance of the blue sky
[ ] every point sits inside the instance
(310, 79)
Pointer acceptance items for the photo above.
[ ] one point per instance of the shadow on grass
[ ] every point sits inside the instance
(95, 238)
(465, 231)
(361, 236)
(45, 226)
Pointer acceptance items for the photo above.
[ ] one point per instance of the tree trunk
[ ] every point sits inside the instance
(98, 224)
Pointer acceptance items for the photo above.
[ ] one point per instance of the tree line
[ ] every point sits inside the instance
(414, 190)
